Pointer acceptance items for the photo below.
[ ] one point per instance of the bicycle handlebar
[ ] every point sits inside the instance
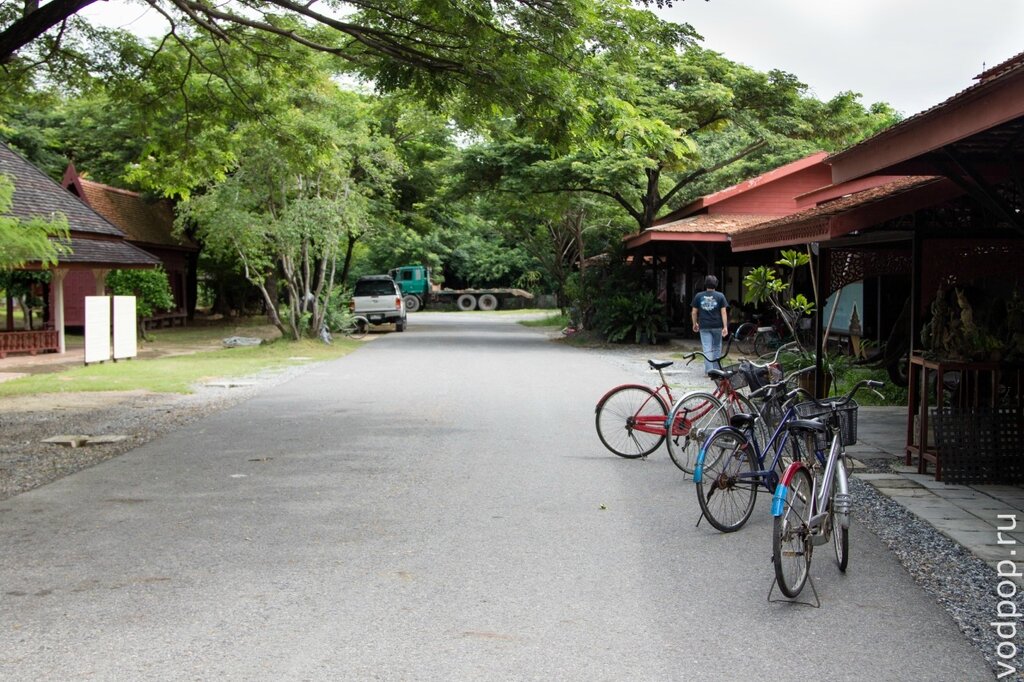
(832, 403)
(692, 355)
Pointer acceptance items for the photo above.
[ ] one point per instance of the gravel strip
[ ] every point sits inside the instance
(964, 585)
(27, 463)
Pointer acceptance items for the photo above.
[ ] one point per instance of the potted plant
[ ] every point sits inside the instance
(764, 285)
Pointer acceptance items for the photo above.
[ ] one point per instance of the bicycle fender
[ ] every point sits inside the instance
(622, 386)
(782, 489)
(698, 467)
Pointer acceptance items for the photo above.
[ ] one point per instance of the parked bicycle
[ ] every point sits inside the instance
(699, 413)
(630, 418)
(352, 327)
(733, 464)
(811, 504)
(754, 338)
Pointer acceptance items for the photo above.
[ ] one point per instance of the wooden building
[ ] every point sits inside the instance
(146, 224)
(96, 247)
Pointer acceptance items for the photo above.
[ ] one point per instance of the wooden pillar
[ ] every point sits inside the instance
(823, 276)
(100, 275)
(57, 281)
(10, 311)
(916, 254)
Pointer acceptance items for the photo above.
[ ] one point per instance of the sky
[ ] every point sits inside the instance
(912, 54)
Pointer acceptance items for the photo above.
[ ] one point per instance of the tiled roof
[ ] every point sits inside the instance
(36, 195)
(813, 224)
(150, 223)
(992, 77)
(115, 253)
(721, 223)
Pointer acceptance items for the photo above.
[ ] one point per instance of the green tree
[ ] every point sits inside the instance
(23, 241)
(473, 58)
(298, 201)
(150, 287)
(663, 133)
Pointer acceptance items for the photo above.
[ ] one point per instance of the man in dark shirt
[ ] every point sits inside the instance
(710, 315)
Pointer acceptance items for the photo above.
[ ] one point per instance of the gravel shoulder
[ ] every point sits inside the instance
(26, 462)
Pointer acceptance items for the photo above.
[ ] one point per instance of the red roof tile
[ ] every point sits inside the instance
(149, 223)
(800, 225)
(722, 223)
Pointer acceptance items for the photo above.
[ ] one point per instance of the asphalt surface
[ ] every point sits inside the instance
(435, 506)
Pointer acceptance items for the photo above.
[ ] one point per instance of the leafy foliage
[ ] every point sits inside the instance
(633, 317)
(298, 201)
(764, 284)
(150, 287)
(34, 240)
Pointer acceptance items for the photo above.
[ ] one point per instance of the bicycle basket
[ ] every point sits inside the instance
(847, 414)
(739, 378)
(759, 377)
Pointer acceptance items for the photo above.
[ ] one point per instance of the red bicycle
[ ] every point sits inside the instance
(631, 418)
(699, 413)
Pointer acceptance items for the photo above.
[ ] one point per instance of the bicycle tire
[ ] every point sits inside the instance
(766, 342)
(791, 541)
(358, 329)
(727, 498)
(744, 337)
(688, 434)
(616, 415)
(840, 535)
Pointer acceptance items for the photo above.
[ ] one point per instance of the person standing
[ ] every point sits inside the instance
(709, 312)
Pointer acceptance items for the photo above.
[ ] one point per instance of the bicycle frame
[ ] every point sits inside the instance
(653, 424)
(833, 469)
(762, 476)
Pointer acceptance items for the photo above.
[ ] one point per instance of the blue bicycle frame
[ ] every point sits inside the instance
(769, 477)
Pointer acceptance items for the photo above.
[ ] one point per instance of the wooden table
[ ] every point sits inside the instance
(973, 392)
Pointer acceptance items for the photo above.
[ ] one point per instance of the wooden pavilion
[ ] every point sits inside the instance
(96, 246)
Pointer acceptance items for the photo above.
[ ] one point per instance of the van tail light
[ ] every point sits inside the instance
(398, 302)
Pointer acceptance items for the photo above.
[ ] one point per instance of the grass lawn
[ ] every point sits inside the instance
(554, 319)
(179, 358)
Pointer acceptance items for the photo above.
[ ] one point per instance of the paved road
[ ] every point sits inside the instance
(435, 506)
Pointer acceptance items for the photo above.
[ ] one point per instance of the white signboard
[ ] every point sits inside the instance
(125, 341)
(97, 329)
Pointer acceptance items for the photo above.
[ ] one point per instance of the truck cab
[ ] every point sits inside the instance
(414, 282)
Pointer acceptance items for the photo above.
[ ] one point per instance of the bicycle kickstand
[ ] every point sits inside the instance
(810, 579)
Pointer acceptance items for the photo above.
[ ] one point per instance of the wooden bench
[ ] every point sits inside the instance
(174, 318)
(31, 342)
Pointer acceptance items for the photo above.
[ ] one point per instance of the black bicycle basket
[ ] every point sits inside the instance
(757, 377)
(846, 414)
(739, 378)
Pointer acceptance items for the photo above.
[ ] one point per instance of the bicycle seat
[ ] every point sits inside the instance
(720, 374)
(812, 425)
(659, 364)
(742, 420)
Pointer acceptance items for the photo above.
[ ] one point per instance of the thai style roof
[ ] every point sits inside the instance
(703, 227)
(94, 240)
(149, 223)
(983, 122)
(106, 253)
(843, 215)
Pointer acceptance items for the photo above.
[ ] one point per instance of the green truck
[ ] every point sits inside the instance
(418, 292)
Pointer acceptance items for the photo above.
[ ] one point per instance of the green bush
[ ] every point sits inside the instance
(631, 317)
